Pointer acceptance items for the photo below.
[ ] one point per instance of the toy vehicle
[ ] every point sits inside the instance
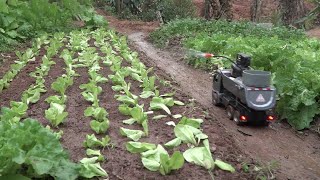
(246, 93)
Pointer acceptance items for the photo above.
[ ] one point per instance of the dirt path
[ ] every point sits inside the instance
(298, 155)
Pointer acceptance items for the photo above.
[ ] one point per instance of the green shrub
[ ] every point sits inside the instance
(292, 58)
(177, 9)
(29, 149)
(21, 19)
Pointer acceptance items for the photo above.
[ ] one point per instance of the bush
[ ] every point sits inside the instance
(170, 9)
(287, 53)
(177, 9)
(20, 19)
(29, 149)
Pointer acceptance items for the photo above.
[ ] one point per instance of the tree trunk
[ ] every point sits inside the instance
(218, 9)
(292, 11)
(226, 9)
(256, 10)
(118, 5)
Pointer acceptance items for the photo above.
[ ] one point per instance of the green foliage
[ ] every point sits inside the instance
(20, 19)
(170, 9)
(138, 147)
(56, 114)
(186, 28)
(176, 9)
(99, 127)
(163, 103)
(90, 168)
(91, 152)
(29, 149)
(288, 54)
(202, 156)
(159, 160)
(135, 135)
(91, 141)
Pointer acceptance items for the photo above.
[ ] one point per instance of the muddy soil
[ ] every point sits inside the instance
(298, 155)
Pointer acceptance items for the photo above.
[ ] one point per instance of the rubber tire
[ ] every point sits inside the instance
(236, 118)
(230, 112)
(215, 99)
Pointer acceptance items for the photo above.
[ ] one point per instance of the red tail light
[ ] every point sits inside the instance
(207, 55)
(243, 118)
(270, 118)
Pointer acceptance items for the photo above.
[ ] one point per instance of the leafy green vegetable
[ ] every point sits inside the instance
(138, 147)
(160, 103)
(32, 95)
(139, 116)
(158, 160)
(135, 135)
(147, 94)
(91, 92)
(125, 109)
(90, 168)
(99, 127)
(173, 143)
(91, 141)
(61, 84)
(200, 156)
(224, 166)
(56, 99)
(91, 152)
(55, 114)
(191, 122)
(17, 111)
(30, 149)
(98, 113)
(159, 117)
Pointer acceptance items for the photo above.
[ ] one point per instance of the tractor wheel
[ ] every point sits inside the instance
(236, 118)
(230, 112)
(215, 99)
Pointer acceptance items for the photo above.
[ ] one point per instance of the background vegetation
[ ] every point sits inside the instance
(287, 53)
(22, 19)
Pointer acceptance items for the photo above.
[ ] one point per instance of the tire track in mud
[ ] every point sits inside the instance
(299, 156)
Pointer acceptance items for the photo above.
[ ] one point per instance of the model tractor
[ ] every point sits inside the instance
(246, 93)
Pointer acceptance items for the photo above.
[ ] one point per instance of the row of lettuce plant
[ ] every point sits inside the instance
(30, 149)
(154, 158)
(100, 122)
(32, 95)
(28, 56)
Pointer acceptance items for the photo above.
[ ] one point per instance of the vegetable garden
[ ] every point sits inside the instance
(114, 116)
(287, 53)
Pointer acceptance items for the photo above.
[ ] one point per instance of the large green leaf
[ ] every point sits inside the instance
(138, 147)
(200, 156)
(135, 135)
(3, 6)
(90, 168)
(224, 166)
(184, 133)
(55, 114)
(99, 127)
(159, 160)
(28, 144)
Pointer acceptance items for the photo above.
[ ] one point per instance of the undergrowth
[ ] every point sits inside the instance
(292, 58)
